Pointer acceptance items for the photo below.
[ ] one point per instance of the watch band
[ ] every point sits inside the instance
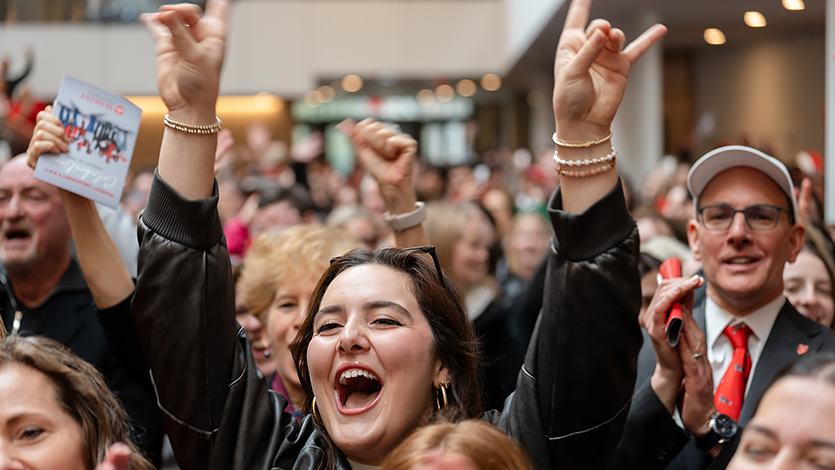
(722, 428)
(706, 442)
(401, 222)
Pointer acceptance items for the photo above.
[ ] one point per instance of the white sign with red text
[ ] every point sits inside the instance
(102, 129)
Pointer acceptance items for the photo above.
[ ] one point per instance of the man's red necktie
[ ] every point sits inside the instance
(731, 391)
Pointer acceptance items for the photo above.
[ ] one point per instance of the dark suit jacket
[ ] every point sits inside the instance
(652, 439)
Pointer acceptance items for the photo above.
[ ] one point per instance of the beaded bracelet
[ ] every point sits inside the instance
(587, 173)
(594, 161)
(191, 128)
(586, 144)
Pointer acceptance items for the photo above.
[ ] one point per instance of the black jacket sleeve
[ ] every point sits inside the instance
(575, 386)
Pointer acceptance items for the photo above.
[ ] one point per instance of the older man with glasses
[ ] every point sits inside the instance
(739, 330)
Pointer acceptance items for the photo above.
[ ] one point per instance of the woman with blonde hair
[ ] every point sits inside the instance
(280, 273)
(466, 445)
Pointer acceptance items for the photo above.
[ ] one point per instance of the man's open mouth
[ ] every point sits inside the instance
(357, 389)
(16, 234)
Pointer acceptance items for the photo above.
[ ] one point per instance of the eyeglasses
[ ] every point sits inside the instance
(760, 217)
(431, 251)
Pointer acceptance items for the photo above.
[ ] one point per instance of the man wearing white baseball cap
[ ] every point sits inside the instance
(739, 330)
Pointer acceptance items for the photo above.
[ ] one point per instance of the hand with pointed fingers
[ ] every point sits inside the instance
(666, 379)
(697, 404)
(591, 70)
(189, 53)
(389, 156)
(116, 458)
(48, 137)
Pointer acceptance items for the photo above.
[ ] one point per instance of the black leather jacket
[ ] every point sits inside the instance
(572, 394)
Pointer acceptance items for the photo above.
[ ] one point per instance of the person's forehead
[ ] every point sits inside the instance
(13, 175)
(743, 184)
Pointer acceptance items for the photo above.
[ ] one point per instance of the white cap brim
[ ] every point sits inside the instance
(732, 156)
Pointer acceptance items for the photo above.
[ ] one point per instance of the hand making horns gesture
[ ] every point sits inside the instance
(590, 72)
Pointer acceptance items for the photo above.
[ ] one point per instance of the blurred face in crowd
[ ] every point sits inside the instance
(471, 251)
(254, 328)
(808, 287)
(34, 228)
(275, 216)
(362, 229)
(35, 431)
(793, 428)
(372, 362)
(744, 267)
(283, 319)
(528, 241)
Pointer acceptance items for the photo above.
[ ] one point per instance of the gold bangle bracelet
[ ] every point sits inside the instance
(191, 128)
(587, 144)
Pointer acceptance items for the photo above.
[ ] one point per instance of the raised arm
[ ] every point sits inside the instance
(190, 47)
(574, 390)
(389, 157)
(102, 265)
(590, 74)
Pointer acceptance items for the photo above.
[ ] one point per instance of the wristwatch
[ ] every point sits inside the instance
(722, 429)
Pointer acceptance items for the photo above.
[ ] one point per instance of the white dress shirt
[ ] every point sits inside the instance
(719, 348)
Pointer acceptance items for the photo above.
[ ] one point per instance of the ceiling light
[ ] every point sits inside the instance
(754, 19)
(491, 82)
(714, 37)
(535, 99)
(426, 98)
(466, 88)
(327, 93)
(313, 98)
(444, 93)
(794, 5)
(352, 83)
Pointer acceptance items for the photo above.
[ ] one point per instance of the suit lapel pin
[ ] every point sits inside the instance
(802, 349)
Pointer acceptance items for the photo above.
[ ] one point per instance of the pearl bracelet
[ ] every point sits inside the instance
(587, 162)
(586, 173)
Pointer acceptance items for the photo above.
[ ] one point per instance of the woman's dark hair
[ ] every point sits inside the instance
(452, 332)
(816, 366)
(80, 390)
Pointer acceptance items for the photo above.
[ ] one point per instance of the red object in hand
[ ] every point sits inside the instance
(671, 269)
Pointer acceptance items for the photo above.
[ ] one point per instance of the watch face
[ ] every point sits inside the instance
(724, 426)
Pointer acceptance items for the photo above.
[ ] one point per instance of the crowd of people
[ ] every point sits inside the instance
(414, 317)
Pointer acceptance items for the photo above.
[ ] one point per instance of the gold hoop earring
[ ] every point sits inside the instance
(313, 410)
(442, 388)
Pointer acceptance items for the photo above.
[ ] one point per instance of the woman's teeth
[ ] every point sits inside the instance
(349, 374)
